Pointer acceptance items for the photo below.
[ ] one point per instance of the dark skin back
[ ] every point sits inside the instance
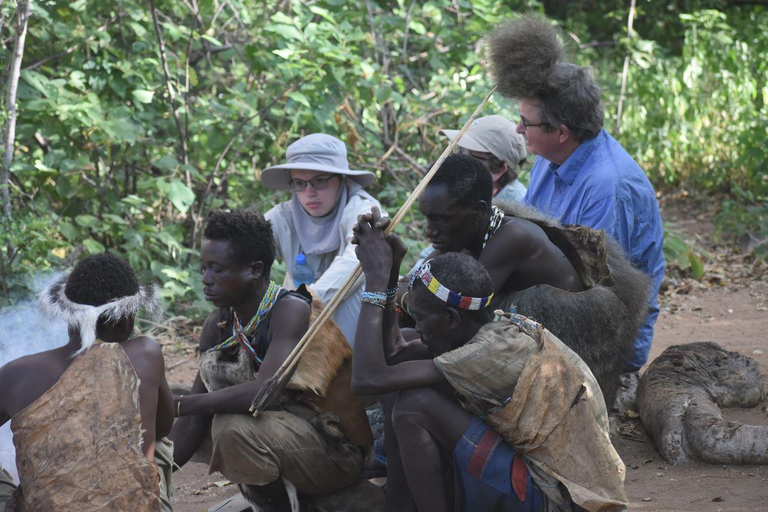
(518, 256)
(26, 379)
(230, 283)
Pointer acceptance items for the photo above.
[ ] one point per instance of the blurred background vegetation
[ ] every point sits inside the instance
(136, 118)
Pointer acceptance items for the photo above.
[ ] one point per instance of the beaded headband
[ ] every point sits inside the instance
(441, 292)
(54, 302)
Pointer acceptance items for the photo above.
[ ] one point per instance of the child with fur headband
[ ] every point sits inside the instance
(88, 417)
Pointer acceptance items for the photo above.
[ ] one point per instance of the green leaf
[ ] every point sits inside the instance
(211, 39)
(180, 195)
(142, 96)
(167, 163)
(299, 98)
(87, 221)
(93, 246)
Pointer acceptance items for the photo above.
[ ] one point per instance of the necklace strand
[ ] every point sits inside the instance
(240, 334)
(497, 216)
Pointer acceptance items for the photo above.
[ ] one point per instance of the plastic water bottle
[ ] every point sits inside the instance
(302, 274)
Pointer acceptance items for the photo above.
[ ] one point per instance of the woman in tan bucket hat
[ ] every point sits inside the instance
(317, 221)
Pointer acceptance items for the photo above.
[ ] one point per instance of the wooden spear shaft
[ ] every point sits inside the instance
(268, 391)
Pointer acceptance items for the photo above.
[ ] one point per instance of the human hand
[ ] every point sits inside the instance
(373, 249)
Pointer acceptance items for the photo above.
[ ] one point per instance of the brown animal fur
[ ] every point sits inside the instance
(324, 375)
(599, 324)
(323, 358)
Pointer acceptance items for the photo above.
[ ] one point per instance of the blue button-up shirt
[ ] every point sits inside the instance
(602, 187)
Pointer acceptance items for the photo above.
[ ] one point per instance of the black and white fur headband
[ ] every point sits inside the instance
(54, 302)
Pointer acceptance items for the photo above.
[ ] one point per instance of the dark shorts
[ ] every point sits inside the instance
(490, 476)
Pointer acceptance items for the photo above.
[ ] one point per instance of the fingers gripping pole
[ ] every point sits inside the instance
(267, 393)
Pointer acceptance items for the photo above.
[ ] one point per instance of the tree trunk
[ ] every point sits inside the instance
(9, 133)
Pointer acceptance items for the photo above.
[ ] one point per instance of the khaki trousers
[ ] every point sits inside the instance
(258, 451)
(6, 487)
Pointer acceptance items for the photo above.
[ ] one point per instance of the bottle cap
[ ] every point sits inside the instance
(301, 259)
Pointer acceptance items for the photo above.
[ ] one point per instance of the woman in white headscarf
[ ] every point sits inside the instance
(317, 222)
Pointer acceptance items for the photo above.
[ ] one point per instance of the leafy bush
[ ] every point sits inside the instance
(125, 148)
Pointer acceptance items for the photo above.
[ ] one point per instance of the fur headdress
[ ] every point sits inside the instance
(523, 55)
(55, 303)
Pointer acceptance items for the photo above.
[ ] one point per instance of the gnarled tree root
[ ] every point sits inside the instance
(680, 396)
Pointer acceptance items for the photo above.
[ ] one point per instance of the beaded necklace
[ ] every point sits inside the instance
(497, 215)
(240, 335)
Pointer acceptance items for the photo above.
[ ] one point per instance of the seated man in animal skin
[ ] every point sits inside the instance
(532, 274)
(297, 449)
(449, 299)
(105, 436)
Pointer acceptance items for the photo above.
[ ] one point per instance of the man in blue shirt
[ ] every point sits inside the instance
(600, 186)
(582, 175)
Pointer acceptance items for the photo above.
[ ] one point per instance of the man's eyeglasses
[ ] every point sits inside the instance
(527, 125)
(318, 183)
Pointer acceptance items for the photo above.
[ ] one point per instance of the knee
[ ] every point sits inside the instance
(229, 431)
(412, 408)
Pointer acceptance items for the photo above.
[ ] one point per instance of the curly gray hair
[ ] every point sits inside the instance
(526, 62)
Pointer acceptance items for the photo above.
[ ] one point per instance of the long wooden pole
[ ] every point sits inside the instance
(625, 72)
(271, 388)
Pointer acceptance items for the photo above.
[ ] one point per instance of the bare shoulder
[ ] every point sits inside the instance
(25, 379)
(209, 335)
(292, 308)
(32, 366)
(143, 346)
(146, 356)
(516, 228)
(14, 373)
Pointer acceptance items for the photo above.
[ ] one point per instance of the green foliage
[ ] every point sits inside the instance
(682, 256)
(699, 114)
(29, 245)
(745, 214)
(99, 162)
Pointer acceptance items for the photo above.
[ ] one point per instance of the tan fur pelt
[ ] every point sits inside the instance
(79, 444)
(323, 358)
(324, 380)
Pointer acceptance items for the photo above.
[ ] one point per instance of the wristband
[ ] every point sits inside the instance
(391, 295)
(378, 299)
(178, 407)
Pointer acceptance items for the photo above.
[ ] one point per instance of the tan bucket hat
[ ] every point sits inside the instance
(316, 152)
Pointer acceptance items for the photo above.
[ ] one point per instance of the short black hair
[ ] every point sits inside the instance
(249, 235)
(462, 274)
(467, 179)
(101, 278)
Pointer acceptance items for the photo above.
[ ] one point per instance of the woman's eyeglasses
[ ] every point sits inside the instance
(318, 183)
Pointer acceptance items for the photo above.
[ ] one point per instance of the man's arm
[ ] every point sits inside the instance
(189, 432)
(289, 322)
(371, 374)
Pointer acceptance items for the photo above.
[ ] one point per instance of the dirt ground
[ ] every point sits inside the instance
(728, 306)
